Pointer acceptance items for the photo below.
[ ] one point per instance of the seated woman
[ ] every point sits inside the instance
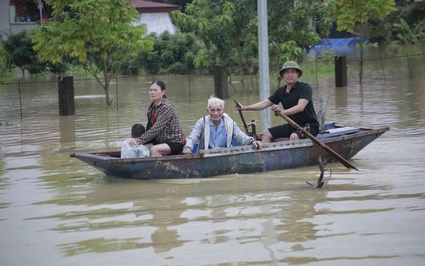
(164, 134)
(217, 130)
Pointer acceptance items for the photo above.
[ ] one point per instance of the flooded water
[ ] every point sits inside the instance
(55, 210)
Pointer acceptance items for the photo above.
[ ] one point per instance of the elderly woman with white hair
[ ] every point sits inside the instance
(217, 130)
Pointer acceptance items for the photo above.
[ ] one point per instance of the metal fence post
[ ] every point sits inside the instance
(116, 89)
(20, 98)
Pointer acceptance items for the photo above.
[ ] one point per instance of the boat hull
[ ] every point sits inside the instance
(234, 160)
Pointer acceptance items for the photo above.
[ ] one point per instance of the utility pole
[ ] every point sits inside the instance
(41, 11)
(263, 53)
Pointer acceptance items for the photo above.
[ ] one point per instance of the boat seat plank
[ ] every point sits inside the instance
(334, 132)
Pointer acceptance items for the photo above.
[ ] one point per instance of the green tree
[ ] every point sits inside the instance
(175, 53)
(171, 53)
(4, 71)
(406, 34)
(230, 30)
(353, 15)
(221, 25)
(19, 52)
(95, 33)
(294, 29)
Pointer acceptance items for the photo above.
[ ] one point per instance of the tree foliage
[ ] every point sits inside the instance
(229, 29)
(221, 25)
(4, 70)
(353, 15)
(294, 29)
(214, 22)
(95, 33)
(19, 52)
(175, 53)
(350, 13)
(216, 32)
(171, 54)
(406, 34)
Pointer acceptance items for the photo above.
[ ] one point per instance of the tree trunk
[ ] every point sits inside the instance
(108, 97)
(241, 62)
(107, 78)
(103, 80)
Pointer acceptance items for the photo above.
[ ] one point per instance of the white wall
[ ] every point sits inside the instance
(4, 18)
(157, 22)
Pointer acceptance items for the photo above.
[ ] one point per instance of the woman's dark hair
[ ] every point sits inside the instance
(160, 83)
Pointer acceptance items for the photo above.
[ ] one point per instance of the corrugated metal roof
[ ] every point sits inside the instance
(154, 7)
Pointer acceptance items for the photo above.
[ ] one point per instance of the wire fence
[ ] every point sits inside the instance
(385, 68)
(28, 98)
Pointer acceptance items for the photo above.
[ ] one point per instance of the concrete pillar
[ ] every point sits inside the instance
(220, 82)
(340, 71)
(66, 95)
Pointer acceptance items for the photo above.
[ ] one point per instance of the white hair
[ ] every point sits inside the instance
(214, 101)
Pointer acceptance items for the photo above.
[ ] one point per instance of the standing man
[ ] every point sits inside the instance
(297, 100)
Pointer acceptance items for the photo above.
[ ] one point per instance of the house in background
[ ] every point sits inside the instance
(156, 16)
(17, 15)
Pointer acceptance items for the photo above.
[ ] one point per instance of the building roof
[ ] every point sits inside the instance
(154, 7)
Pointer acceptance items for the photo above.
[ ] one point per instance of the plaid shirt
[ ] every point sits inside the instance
(167, 127)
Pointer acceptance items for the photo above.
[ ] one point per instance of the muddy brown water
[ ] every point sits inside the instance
(55, 210)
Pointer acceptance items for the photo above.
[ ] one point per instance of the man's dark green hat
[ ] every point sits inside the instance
(288, 65)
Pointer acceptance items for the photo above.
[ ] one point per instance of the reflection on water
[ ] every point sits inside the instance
(55, 210)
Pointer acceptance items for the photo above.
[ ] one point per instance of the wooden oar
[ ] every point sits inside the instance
(240, 113)
(317, 141)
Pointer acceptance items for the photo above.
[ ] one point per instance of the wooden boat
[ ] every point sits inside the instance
(347, 141)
